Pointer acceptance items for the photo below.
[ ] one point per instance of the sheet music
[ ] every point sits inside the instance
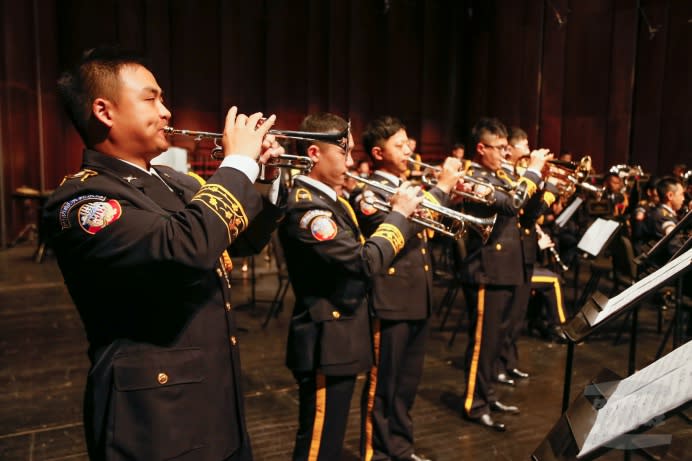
(645, 285)
(597, 235)
(568, 212)
(643, 398)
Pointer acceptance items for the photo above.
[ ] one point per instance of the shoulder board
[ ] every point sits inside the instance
(82, 175)
(302, 195)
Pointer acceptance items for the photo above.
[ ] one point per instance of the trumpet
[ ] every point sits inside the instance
(441, 219)
(568, 175)
(480, 191)
(270, 170)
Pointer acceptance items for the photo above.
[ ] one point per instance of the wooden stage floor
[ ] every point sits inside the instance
(43, 364)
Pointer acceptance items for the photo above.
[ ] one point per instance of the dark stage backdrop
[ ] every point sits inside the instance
(607, 78)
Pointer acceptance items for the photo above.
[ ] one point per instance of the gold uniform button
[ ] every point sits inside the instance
(162, 378)
(219, 272)
(498, 247)
(422, 250)
(518, 226)
(426, 268)
(234, 340)
(527, 232)
(391, 271)
(420, 235)
(228, 306)
(336, 314)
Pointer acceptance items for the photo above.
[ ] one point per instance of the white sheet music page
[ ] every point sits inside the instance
(568, 212)
(641, 400)
(596, 236)
(645, 285)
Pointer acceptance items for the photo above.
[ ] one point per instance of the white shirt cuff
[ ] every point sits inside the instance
(246, 165)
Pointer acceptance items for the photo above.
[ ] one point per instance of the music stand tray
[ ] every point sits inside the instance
(615, 413)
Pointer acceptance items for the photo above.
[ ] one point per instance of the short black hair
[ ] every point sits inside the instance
(485, 125)
(379, 130)
(321, 122)
(96, 75)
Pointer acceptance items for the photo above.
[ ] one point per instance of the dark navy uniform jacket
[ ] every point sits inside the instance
(501, 261)
(404, 290)
(330, 265)
(144, 268)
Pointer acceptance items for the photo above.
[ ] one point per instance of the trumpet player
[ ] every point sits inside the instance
(401, 300)
(141, 249)
(507, 367)
(493, 272)
(330, 263)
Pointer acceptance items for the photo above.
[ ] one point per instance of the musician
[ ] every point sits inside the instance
(492, 273)
(507, 367)
(615, 193)
(141, 250)
(402, 298)
(641, 225)
(664, 217)
(330, 264)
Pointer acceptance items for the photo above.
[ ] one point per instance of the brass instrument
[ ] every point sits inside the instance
(628, 174)
(270, 170)
(568, 175)
(433, 215)
(480, 191)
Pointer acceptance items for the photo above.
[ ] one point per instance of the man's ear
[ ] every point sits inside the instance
(314, 153)
(376, 153)
(102, 110)
(480, 149)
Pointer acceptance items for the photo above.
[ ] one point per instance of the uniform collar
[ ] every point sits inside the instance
(319, 185)
(389, 176)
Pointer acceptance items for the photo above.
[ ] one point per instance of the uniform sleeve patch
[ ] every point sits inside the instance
(66, 207)
(94, 216)
(366, 202)
(312, 214)
(323, 228)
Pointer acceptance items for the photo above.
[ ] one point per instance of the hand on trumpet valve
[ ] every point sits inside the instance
(245, 135)
(406, 199)
(450, 174)
(538, 159)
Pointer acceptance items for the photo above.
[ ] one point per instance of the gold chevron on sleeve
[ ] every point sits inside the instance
(224, 204)
(392, 234)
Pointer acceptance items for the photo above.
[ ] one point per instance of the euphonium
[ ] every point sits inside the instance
(441, 219)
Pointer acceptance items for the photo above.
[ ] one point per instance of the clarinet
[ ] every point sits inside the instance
(552, 249)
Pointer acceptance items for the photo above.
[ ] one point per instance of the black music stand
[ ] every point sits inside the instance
(651, 259)
(616, 413)
(599, 311)
(596, 239)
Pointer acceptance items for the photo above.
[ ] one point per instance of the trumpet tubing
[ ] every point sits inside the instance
(480, 191)
(270, 170)
(431, 214)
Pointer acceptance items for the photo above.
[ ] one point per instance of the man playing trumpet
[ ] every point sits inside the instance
(493, 272)
(402, 298)
(330, 263)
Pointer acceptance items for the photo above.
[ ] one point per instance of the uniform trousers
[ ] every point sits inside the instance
(547, 288)
(324, 403)
(514, 324)
(488, 306)
(391, 389)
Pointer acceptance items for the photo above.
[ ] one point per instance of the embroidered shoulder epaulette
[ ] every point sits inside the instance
(82, 175)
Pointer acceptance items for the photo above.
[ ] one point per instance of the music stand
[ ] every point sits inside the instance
(599, 310)
(596, 238)
(615, 413)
